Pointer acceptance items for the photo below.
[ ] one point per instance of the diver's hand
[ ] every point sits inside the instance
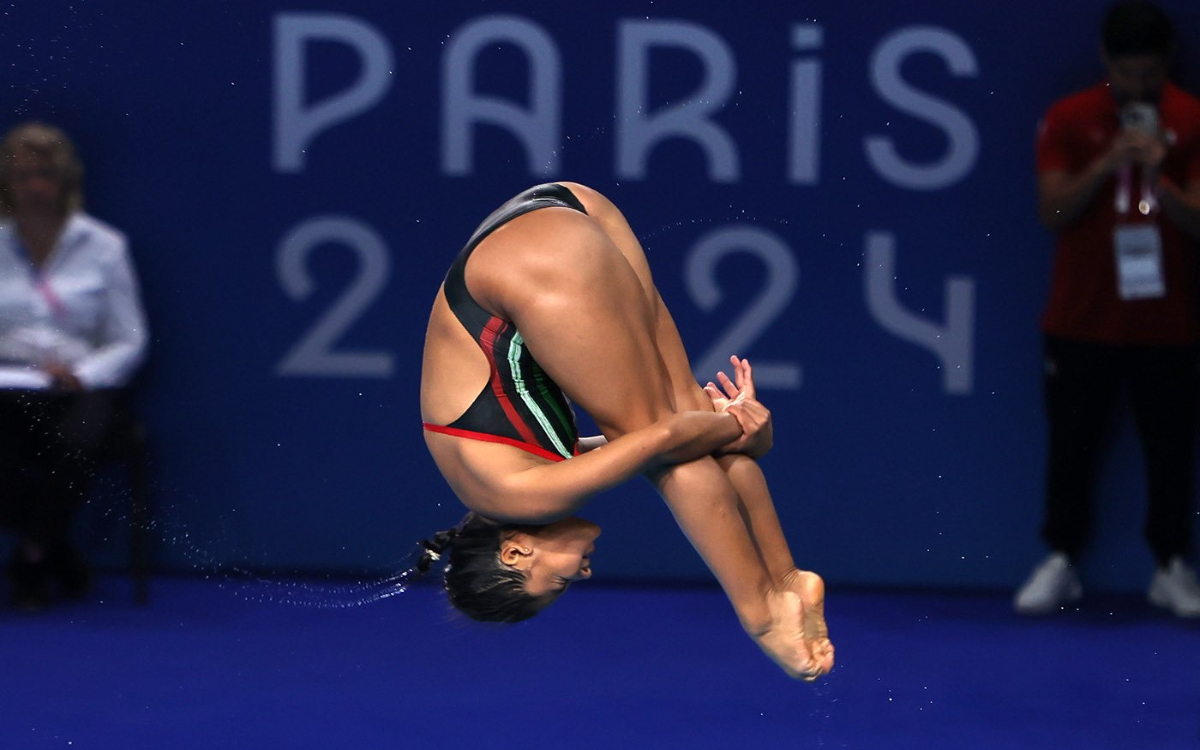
(738, 398)
(742, 387)
(758, 432)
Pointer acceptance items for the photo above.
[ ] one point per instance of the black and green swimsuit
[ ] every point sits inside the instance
(520, 405)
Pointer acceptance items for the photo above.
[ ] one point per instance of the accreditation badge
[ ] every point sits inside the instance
(1139, 261)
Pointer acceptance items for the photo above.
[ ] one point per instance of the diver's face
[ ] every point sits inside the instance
(1137, 78)
(553, 556)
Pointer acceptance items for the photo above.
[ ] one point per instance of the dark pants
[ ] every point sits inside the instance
(49, 446)
(1083, 383)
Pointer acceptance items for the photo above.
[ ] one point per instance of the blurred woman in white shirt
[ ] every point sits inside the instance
(72, 333)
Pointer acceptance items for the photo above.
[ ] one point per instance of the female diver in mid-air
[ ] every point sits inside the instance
(552, 299)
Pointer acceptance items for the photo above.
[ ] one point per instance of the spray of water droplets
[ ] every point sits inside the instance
(247, 583)
(321, 595)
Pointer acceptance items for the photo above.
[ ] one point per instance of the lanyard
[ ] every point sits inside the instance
(41, 283)
(1148, 203)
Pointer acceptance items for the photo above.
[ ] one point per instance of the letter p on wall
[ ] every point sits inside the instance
(297, 122)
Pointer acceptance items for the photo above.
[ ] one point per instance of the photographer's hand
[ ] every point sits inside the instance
(1139, 148)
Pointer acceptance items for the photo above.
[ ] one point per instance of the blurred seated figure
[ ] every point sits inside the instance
(72, 333)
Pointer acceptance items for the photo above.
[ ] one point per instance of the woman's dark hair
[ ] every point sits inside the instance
(478, 584)
(1137, 28)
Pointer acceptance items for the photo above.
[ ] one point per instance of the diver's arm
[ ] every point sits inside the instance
(546, 492)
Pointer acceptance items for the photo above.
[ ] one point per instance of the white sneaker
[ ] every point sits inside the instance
(1052, 585)
(1175, 588)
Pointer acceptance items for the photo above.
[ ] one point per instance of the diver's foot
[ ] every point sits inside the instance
(784, 641)
(811, 589)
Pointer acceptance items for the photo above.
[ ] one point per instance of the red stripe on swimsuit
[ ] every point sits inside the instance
(487, 438)
(487, 341)
(520, 403)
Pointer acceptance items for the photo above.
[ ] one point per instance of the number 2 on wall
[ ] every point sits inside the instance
(315, 353)
(782, 278)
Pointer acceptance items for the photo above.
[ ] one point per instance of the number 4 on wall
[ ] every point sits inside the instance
(951, 342)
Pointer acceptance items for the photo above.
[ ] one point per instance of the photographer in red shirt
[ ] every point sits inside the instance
(1119, 182)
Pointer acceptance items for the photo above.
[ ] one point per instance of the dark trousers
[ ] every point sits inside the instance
(1084, 382)
(49, 446)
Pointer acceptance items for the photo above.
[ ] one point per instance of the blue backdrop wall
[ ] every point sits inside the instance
(842, 192)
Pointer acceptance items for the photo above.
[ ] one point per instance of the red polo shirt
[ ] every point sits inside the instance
(1084, 302)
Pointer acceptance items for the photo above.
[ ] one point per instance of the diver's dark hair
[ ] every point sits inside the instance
(478, 584)
(1137, 27)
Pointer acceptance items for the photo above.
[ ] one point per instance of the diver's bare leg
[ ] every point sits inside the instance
(584, 315)
(756, 507)
(758, 511)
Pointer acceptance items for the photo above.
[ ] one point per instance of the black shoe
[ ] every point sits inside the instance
(69, 571)
(27, 581)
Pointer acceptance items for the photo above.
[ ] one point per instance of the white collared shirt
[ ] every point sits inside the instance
(80, 309)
